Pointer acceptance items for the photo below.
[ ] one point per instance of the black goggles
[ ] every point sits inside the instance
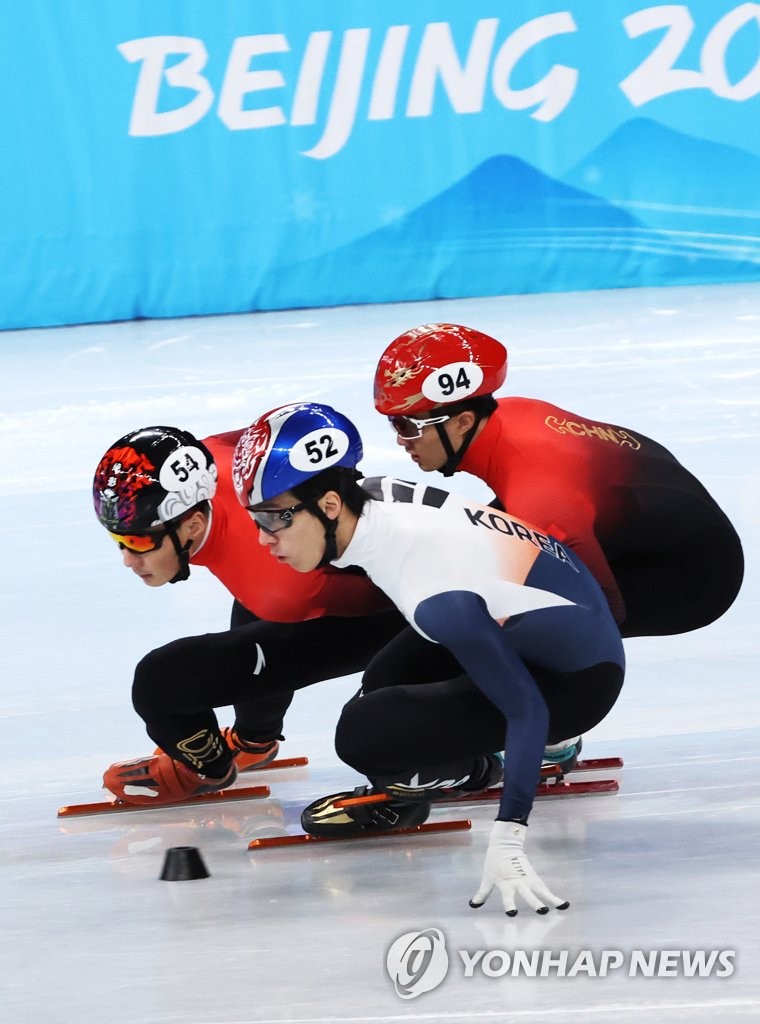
(410, 428)
(272, 520)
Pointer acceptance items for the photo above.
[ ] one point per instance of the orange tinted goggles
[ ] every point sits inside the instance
(140, 543)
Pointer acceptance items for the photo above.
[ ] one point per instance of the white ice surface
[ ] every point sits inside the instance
(672, 862)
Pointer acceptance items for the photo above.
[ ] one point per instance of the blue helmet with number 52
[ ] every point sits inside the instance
(290, 445)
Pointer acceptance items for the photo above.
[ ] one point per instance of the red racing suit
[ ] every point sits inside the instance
(269, 589)
(664, 553)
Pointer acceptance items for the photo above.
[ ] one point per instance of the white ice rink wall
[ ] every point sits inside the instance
(189, 157)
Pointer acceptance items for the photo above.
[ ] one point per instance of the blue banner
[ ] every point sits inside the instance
(191, 157)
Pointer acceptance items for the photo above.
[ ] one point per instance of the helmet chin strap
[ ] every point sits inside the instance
(451, 465)
(331, 544)
(331, 526)
(183, 554)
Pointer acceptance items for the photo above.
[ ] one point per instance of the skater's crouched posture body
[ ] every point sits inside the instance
(521, 615)
(168, 501)
(664, 552)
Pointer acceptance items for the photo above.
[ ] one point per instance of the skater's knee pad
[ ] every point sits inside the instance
(351, 736)
(152, 691)
(368, 728)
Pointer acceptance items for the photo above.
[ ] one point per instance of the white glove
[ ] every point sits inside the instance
(508, 869)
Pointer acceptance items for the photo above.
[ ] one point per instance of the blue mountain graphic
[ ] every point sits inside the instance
(680, 183)
(505, 228)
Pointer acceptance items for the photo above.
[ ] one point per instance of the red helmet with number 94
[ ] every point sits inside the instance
(434, 365)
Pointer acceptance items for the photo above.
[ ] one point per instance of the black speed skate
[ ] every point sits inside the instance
(562, 758)
(486, 771)
(323, 818)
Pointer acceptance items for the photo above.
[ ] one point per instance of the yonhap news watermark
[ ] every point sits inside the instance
(418, 962)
